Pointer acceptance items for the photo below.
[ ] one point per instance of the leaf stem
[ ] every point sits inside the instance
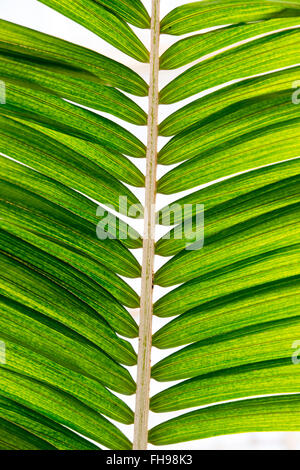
(145, 330)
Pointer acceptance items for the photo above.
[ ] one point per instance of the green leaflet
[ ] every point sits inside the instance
(271, 52)
(24, 285)
(119, 166)
(132, 11)
(279, 413)
(15, 438)
(269, 302)
(73, 85)
(276, 229)
(62, 300)
(25, 42)
(102, 22)
(39, 427)
(232, 94)
(71, 279)
(239, 119)
(46, 337)
(84, 264)
(68, 199)
(251, 273)
(191, 48)
(61, 408)
(264, 378)
(34, 104)
(29, 363)
(258, 148)
(54, 159)
(225, 216)
(228, 190)
(40, 216)
(262, 342)
(200, 15)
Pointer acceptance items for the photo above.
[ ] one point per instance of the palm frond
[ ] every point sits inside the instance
(64, 292)
(236, 301)
(63, 315)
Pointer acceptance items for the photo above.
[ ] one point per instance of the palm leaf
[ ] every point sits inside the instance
(73, 85)
(261, 414)
(199, 15)
(191, 48)
(64, 291)
(232, 215)
(65, 164)
(40, 434)
(33, 45)
(273, 82)
(132, 11)
(240, 62)
(102, 22)
(62, 300)
(264, 378)
(235, 306)
(50, 111)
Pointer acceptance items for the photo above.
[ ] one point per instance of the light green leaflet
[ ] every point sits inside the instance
(210, 104)
(38, 106)
(132, 11)
(62, 408)
(267, 145)
(192, 48)
(113, 162)
(219, 220)
(259, 56)
(262, 342)
(252, 272)
(102, 22)
(34, 428)
(16, 39)
(261, 378)
(237, 120)
(255, 236)
(65, 197)
(51, 221)
(62, 163)
(63, 274)
(200, 15)
(24, 285)
(74, 85)
(228, 190)
(269, 302)
(279, 413)
(76, 258)
(65, 348)
(25, 361)
(64, 258)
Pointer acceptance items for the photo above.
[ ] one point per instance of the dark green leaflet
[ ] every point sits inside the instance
(27, 43)
(102, 22)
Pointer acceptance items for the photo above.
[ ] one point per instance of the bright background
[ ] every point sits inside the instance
(35, 15)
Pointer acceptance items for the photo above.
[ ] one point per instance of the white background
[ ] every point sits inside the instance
(35, 15)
